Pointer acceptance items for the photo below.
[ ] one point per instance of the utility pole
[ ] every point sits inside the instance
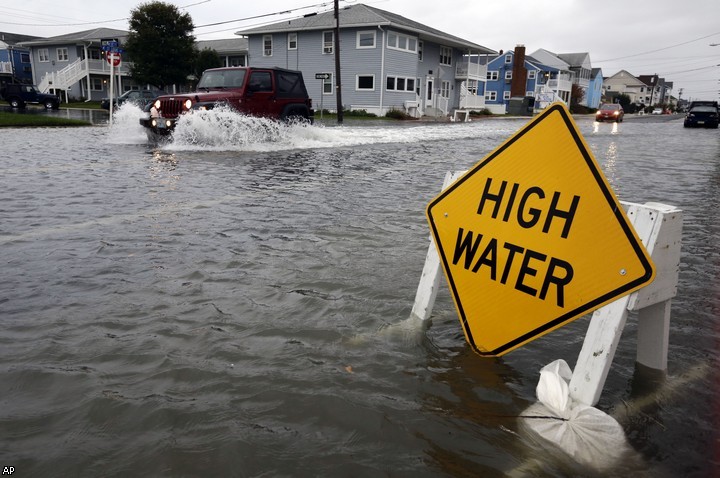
(338, 83)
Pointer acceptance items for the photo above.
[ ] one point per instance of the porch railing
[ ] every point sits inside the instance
(473, 71)
(469, 100)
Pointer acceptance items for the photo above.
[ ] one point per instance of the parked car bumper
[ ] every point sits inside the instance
(695, 123)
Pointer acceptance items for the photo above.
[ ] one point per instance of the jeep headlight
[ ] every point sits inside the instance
(188, 104)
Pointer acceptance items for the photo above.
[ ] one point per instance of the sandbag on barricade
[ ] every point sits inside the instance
(589, 436)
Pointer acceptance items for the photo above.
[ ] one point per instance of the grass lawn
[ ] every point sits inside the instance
(9, 119)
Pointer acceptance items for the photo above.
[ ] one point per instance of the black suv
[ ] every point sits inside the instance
(19, 95)
(268, 92)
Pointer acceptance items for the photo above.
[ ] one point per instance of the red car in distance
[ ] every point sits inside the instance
(610, 112)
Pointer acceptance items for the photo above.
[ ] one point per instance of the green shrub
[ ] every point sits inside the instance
(398, 114)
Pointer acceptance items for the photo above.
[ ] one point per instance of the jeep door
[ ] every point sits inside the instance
(260, 95)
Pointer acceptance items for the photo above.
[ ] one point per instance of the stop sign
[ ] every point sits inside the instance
(113, 58)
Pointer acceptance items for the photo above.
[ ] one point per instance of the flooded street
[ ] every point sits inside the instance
(222, 305)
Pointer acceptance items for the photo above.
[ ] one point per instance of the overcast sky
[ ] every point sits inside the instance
(668, 37)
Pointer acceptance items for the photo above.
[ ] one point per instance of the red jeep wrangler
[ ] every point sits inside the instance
(268, 92)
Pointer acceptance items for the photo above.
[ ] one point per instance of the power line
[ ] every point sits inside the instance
(659, 49)
(286, 12)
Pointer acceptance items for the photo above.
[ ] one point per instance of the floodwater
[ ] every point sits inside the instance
(224, 305)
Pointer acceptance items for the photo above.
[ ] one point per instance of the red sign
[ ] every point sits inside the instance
(113, 58)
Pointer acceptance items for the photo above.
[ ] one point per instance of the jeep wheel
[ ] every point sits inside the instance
(295, 115)
(17, 103)
(51, 105)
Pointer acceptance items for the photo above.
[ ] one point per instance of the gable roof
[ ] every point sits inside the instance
(226, 45)
(96, 34)
(624, 77)
(549, 58)
(575, 59)
(359, 16)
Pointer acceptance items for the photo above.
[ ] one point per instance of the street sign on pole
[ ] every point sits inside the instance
(114, 58)
(532, 237)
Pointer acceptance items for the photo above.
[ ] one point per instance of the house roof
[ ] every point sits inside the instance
(575, 59)
(226, 45)
(548, 58)
(96, 34)
(358, 16)
(13, 38)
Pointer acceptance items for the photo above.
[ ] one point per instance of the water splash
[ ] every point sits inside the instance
(223, 129)
(126, 127)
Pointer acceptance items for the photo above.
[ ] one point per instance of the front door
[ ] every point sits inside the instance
(429, 82)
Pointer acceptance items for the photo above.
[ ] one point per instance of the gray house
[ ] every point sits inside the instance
(74, 66)
(387, 61)
(232, 51)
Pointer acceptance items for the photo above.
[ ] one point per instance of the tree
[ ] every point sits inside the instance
(577, 95)
(626, 103)
(160, 44)
(206, 58)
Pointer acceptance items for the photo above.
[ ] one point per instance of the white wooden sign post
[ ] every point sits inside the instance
(659, 227)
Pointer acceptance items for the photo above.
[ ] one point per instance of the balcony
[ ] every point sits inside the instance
(472, 71)
(560, 85)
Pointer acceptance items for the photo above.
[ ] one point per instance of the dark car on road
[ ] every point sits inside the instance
(610, 112)
(702, 116)
(137, 97)
(19, 95)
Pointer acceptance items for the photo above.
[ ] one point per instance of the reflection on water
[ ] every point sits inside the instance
(614, 129)
(203, 310)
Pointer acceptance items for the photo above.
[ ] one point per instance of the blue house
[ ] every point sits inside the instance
(15, 65)
(594, 92)
(388, 62)
(512, 74)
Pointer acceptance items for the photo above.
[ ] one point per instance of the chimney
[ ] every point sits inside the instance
(519, 76)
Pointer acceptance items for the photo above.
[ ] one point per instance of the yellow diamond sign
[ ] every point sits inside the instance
(533, 237)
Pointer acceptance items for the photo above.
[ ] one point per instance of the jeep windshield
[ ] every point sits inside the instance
(218, 79)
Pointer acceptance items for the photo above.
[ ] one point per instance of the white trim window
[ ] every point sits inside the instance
(365, 39)
(532, 74)
(508, 58)
(446, 55)
(472, 87)
(96, 83)
(508, 75)
(529, 93)
(95, 54)
(365, 83)
(421, 45)
(43, 55)
(399, 83)
(292, 41)
(506, 95)
(490, 95)
(445, 89)
(493, 75)
(62, 54)
(327, 85)
(267, 45)
(328, 45)
(397, 41)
